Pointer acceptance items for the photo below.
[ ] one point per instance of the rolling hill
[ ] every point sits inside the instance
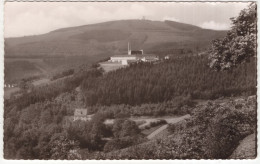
(104, 39)
(70, 47)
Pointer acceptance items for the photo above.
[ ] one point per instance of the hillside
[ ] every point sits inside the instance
(109, 38)
(35, 123)
(148, 82)
(68, 48)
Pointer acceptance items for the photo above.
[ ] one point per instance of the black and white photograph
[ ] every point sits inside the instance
(129, 80)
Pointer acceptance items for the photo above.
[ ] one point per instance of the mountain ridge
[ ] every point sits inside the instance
(112, 38)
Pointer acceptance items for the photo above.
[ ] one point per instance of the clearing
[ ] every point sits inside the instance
(109, 66)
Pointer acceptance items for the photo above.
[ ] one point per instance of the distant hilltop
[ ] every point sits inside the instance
(110, 38)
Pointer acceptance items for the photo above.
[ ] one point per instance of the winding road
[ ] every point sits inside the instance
(171, 121)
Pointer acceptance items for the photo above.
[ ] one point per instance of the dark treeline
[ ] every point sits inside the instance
(153, 83)
(176, 106)
(62, 74)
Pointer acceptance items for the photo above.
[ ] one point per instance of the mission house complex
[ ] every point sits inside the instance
(132, 56)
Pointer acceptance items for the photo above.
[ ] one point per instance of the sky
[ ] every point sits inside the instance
(33, 18)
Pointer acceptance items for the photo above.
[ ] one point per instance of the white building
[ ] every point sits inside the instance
(133, 56)
(81, 114)
(10, 85)
(149, 58)
(123, 58)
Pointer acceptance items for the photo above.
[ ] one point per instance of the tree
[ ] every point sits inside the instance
(24, 85)
(124, 128)
(239, 45)
(129, 128)
(63, 148)
(117, 127)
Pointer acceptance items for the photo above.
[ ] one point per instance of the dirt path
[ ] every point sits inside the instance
(177, 119)
(162, 128)
(156, 132)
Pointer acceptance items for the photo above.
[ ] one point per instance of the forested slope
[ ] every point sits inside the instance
(35, 123)
(152, 83)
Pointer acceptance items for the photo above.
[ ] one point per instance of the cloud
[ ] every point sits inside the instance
(215, 26)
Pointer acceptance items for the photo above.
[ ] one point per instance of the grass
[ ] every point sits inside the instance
(109, 66)
(9, 91)
(16, 70)
(41, 82)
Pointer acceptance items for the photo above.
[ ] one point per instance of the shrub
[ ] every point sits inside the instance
(120, 143)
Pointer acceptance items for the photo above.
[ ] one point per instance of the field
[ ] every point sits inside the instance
(109, 66)
(8, 92)
(41, 82)
(18, 68)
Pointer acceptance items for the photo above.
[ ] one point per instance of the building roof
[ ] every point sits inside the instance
(124, 56)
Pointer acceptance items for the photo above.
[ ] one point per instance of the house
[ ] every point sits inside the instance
(10, 85)
(123, 58)
(81, 114)
(149, 58)
(132, 56)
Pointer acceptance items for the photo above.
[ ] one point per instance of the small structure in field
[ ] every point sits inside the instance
(167, 57)
(81, 114)
(9, 85)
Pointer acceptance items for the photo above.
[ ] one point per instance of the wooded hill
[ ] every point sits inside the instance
(153, 83)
